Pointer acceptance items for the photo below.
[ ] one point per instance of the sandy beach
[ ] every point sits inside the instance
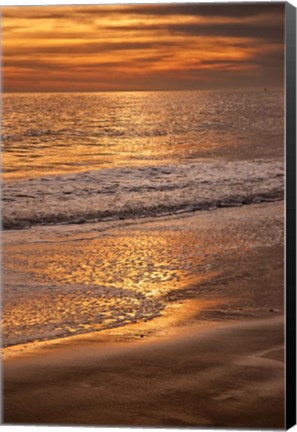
(231, 376)
(214, 356)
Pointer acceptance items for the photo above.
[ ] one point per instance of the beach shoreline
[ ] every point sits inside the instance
(213, 358)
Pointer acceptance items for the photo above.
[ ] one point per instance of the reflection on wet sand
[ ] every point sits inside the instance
(171, 269)
(104, 283)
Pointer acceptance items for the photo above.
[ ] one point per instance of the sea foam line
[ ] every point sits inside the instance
(115, 194)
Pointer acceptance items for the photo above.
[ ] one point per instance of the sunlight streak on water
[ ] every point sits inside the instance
(61, 133)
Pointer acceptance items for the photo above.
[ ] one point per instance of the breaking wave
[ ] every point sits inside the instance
(125, 193)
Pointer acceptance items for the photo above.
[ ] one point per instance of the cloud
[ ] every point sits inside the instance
(208, 10)
(235, 10)
(178, 46)
(86, 48)
(238, 30)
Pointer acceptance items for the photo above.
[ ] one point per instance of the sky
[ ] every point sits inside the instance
(142, 47)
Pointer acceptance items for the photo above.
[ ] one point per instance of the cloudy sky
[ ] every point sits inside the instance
(143, 47)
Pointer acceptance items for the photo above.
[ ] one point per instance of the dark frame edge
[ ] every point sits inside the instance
(290, 35)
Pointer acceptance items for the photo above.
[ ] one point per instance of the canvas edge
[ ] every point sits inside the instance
(290, 280)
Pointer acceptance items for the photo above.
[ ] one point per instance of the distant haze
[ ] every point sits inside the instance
(143, 47)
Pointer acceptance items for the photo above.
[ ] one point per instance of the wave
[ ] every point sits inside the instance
(96, 133)
(125, 193)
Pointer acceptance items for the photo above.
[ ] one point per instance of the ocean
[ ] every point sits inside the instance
(86, 176)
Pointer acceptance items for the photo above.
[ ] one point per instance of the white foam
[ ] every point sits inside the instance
(113, 194)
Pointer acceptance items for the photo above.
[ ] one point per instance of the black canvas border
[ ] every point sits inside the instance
(290, 215)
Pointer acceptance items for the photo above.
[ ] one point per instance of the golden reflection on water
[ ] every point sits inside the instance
(147, 262)
(104, 283)
(160, 273)
(46, 133)
(79, 132)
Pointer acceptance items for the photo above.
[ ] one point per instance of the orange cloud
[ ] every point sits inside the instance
(120, 47)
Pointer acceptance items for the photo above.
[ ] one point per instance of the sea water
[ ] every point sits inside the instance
(91, 159)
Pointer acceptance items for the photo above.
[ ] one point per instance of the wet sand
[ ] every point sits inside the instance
(220, 365)
(226, 377)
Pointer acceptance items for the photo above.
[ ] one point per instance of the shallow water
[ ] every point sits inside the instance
(65, 286)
